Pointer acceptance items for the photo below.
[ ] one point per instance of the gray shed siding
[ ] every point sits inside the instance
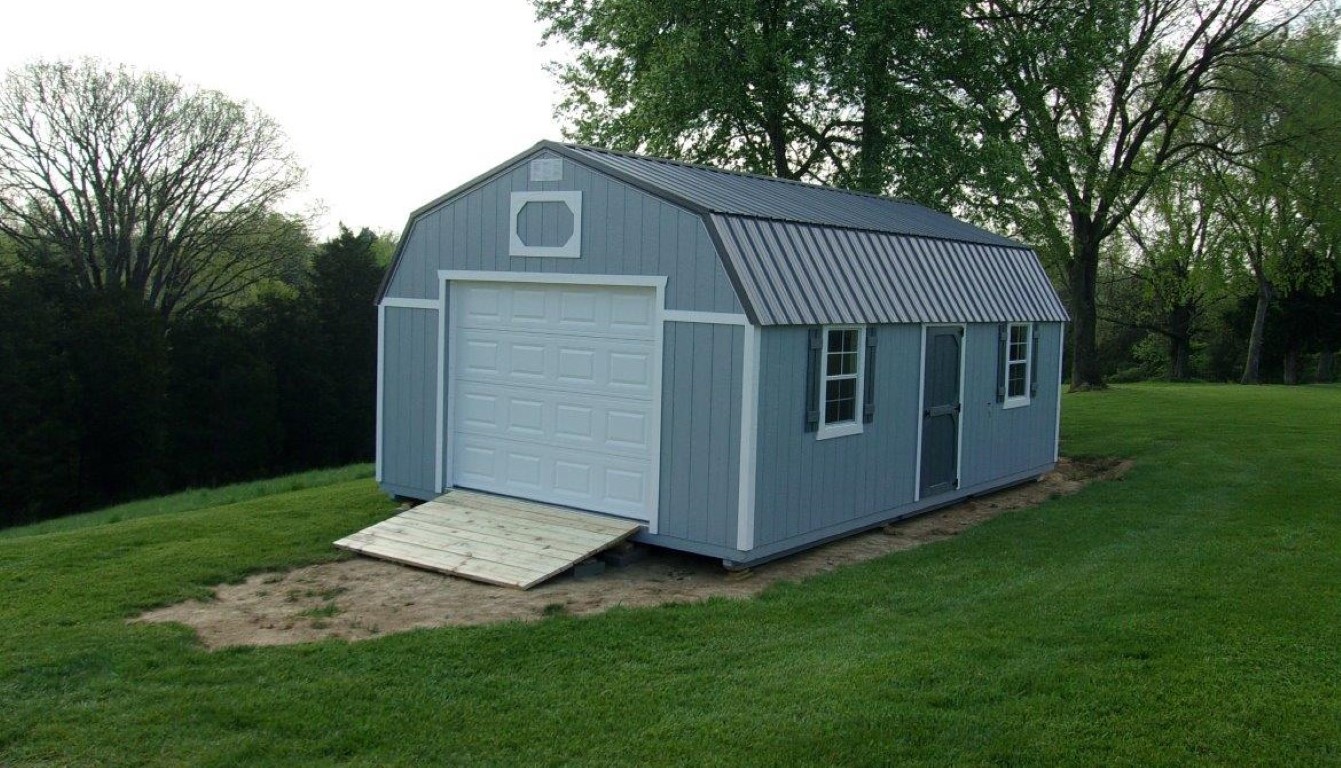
(700, 435)
(999, 443)
(625, 231)
(409, 389)
(809, 490)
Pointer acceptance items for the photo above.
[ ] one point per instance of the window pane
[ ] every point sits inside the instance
(1016, 383)
(840, 401)
(843, 340)
(1019, 343)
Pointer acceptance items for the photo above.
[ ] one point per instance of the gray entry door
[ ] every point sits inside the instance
(941, 410)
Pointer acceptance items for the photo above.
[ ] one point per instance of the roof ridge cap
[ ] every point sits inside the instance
(750, 175)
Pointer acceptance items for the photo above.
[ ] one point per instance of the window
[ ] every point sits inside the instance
(1017, 364)
(842, 365)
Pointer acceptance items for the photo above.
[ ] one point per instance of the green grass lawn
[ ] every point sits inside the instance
(195, 498)
(1188, 614)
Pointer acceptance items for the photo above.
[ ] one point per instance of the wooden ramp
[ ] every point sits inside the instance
(494, 539)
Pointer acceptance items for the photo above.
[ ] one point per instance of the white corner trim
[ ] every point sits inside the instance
(410, 303)
(712, 318)
(381, 388)
(475, 275)
(572, 249)
(749, 439)
(439, 419)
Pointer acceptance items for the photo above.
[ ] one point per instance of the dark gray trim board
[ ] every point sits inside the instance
(831, 533)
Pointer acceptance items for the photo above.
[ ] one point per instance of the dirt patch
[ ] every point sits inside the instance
(362, 598)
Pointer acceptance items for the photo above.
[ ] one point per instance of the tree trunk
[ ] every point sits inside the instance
(1180, 341)
(1252, 369)
(1292, 355)
(1326, 366)
(773, 92)
(1083, 271)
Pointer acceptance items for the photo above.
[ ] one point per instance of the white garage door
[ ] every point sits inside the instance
(553, 391)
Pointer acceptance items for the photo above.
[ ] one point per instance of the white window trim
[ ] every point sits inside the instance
(842, 428)
(1020, 401)
(569, 250)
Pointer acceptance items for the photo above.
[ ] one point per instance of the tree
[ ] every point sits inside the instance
(1094, 98)
(1180, 243)
(135, 182)
(344, 281)
(1278, 177)
(847, 92)
(727, 81)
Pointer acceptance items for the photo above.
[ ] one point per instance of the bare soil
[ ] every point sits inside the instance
(360, 598)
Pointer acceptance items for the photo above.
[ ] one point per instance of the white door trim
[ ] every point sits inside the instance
(646, 281)
(440, 449)
(444, 414)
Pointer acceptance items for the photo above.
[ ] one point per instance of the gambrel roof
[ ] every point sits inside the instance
(803, 254)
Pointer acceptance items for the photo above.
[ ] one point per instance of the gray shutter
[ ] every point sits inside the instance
(1002, 337)
(868, 397)
(812, 379)
(1033, 362)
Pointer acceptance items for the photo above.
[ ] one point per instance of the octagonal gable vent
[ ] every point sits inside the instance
(546, 224)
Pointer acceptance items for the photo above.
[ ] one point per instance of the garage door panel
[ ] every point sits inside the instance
(572, 419)
(570, 309)
(596, 366)
(553, 390)
(561, 475)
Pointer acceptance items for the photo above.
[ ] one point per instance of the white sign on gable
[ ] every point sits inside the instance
(547, 169)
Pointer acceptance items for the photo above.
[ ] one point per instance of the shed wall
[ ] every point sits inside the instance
(700, 433)
(409, 390)
(809, 489)
(624, 232)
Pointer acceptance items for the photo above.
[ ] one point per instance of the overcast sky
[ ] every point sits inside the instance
(388, 103)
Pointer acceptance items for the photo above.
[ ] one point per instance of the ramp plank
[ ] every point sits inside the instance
(494, 539)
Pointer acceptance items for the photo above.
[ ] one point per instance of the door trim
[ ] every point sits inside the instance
(921, 393)
(445, 408)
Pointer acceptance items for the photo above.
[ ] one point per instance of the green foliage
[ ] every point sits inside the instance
(105, 401)
(1187, 614)
(130, 181)
(854, 94)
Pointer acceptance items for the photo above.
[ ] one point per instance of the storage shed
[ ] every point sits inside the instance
(746, 366)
